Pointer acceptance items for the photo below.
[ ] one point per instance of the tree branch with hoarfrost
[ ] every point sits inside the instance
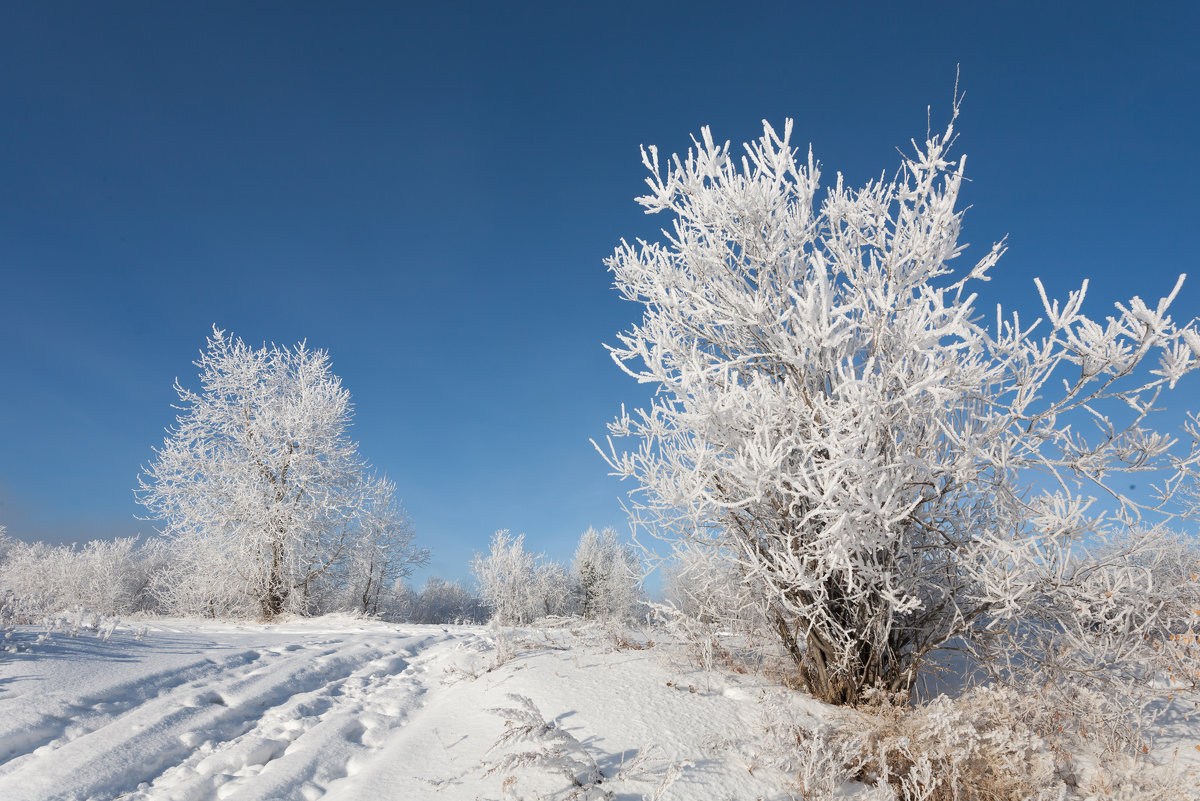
(888, 468)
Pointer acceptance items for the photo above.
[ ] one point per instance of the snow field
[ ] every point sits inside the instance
(344, 709)
(339, 708)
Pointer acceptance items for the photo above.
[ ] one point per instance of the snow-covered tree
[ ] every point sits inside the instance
(385, 552)
(258, 485)
(890, 470)
(608, 576)
(552, 594)
(441, 601)
(518, 586)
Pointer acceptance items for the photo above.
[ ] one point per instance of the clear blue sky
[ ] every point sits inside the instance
(428, 192)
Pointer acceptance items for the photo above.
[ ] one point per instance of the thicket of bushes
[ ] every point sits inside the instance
(109, 577)
(604, 581)
(126, 577)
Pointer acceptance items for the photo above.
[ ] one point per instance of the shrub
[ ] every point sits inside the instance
(107, 577)
(834, 415)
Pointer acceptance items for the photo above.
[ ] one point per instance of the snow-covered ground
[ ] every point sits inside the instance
(341, 708)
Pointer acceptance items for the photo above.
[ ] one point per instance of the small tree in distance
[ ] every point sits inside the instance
(608, 576)
(517, 586)
(441, 601)
(833, 416)
(262, 492)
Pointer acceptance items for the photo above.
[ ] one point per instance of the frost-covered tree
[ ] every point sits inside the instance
(505, 576)
(441, 601)
(889, 469)
(385, 552)
(518, 586)
(259, 486)
(608, 576)
(552, 594)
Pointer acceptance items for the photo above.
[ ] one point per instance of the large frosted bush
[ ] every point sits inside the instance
(888, 468)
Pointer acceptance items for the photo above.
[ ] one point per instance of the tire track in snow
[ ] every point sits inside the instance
(285, 721)
(74, 718)
(220, 702)
(288, 754)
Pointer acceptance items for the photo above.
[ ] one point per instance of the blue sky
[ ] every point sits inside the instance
(428, 193)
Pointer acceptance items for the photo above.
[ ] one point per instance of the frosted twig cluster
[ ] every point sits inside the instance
(555, 750)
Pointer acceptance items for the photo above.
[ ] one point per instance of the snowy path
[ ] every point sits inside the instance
(345, 709)
(195, 711)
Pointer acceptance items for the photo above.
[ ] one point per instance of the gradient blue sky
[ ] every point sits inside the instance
(428, 192)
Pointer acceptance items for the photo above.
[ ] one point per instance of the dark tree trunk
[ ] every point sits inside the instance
(277, 589)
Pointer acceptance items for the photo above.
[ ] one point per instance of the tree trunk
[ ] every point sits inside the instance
(277, 589)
